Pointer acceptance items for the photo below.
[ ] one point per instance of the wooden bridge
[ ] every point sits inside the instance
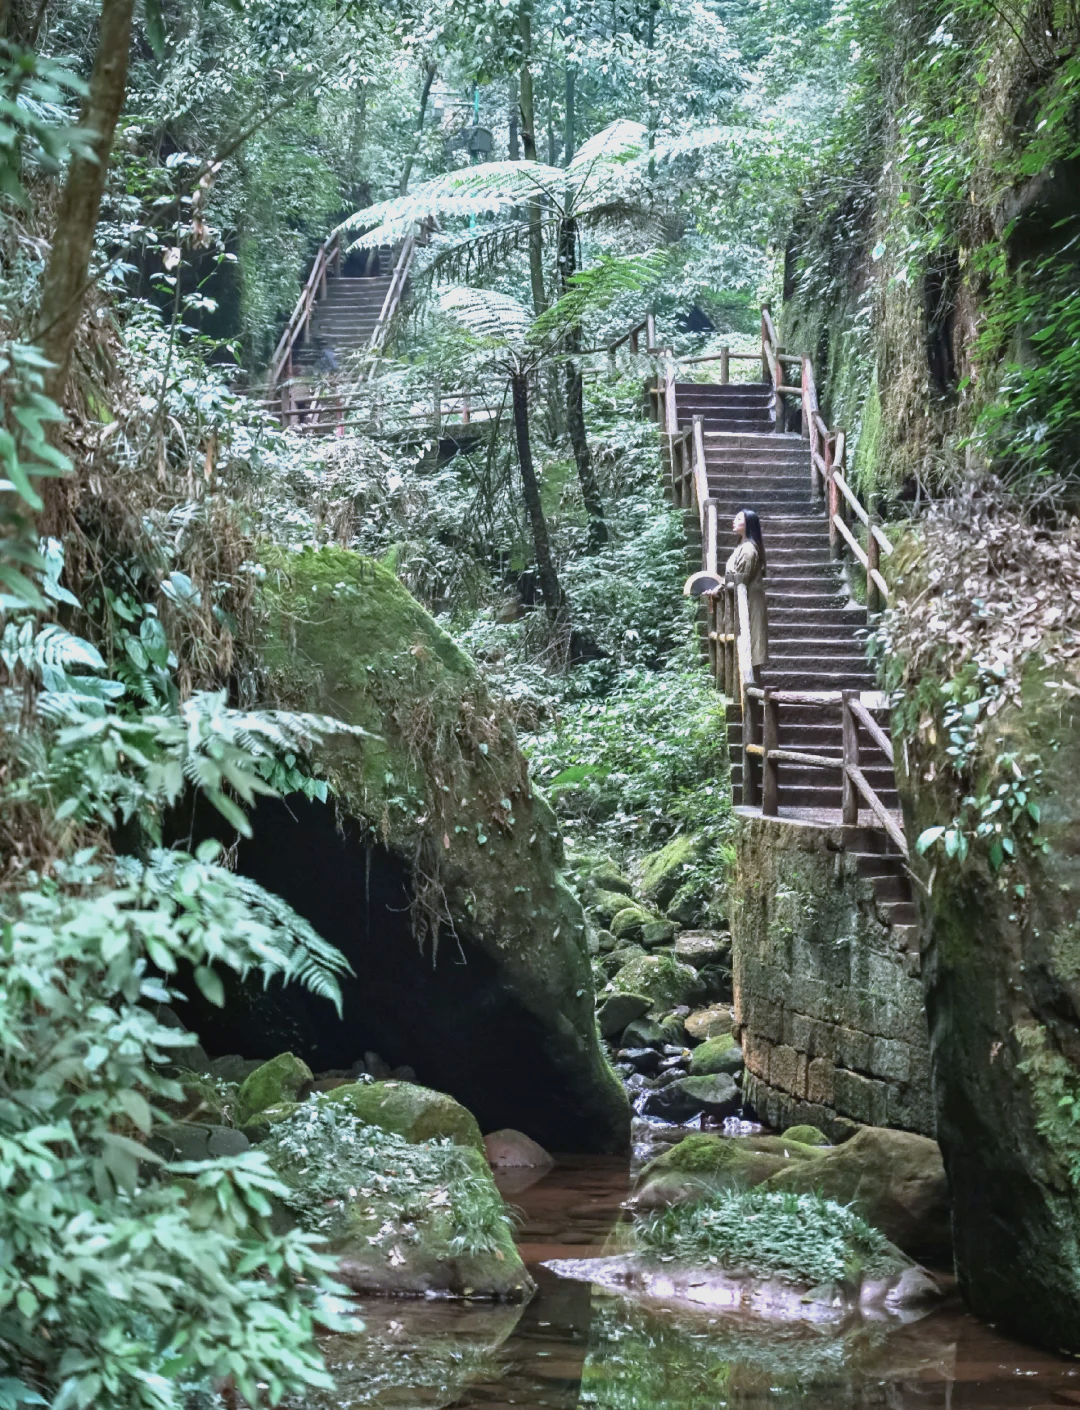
(809, 738)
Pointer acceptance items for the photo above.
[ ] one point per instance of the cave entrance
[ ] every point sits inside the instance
(456, 1021)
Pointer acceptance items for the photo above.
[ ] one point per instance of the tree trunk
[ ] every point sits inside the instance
(650, 84)
(545, 564)
(66, 275)
(514, 144)
(575, 400)
(528, 141)
(570, 136)
(429, 78)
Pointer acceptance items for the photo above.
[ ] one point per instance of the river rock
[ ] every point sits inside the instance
(644, 1033)
(284, 1078)
(414, 1112)
(716, 1095)
(617, 1010)
(701, 1164)
(196, 1140)
(657, 933)
(629, 923)
(606, 905)
(619, 958)
(645, 1060)
(702, 947)
(895, 1179)
(663, 872)
(262, 1124)
(513, 1150)
(434, 865)
(604, 875)
(721, 1054)
(807, 1136)
(906, 1292)
(711, 1022)
(663, 978)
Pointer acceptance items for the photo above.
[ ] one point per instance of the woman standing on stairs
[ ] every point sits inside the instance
(748, 565)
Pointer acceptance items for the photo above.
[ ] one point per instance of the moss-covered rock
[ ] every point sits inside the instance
(257, 1128)
(284, 1078)
(617, 1010)
(413, 1112)
(629, 922)
(713, 1022)
(807, 1135)
(721, 1054)
(606, 905)
(894, 1179)
(703, 1163)
(662, 978)
(403, 1218)
(657, 933)
(663, 872)
(435, 841)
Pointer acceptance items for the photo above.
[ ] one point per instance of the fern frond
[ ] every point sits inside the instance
(595, 287)
(50, 649)
(494, 317)
(619, 142)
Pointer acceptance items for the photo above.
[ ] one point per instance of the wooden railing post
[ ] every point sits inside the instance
(725, 366)
(633, 341)
(849, 793)
(650, 333)
(729, 640)
(873, 565)
(770, 742)
(832, 502)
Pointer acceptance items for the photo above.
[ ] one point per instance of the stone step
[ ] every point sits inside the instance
(896, 912)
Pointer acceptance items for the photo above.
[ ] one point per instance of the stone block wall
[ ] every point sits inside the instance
(829, 1010)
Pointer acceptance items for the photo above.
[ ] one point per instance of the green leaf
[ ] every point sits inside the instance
(155, 27)
(928, 838)
(210, 984)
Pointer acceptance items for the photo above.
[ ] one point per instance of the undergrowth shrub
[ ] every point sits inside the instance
(799, 1238)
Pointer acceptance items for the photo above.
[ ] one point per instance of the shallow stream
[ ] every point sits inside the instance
(573, 1345)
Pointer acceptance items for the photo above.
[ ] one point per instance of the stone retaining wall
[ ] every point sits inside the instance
(830, 1012)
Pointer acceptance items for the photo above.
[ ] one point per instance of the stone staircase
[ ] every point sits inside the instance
(817, 634)
(345, 319)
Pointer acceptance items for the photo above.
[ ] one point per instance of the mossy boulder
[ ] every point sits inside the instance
(258, 1127)
(666, 981)
(403, 1218)
(413, 1112)
(436, 868)
(721, 1054)
(807, 1136)
(617, 1010)
(603, 874)
(282, 1079)
(713, 1022)
(606, 905)
(664, 872)
(701, 1164)
(894, 1179)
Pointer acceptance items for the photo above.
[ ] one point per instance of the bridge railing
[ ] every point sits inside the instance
(298, 328)
(728, 606)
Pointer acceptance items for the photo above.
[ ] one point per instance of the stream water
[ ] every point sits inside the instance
(573, 1345)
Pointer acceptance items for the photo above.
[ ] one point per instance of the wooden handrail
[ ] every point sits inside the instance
(300, 320)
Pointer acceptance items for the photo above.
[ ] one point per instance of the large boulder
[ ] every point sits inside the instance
(284, 1078)
(663, 872)
(435, 867)
(895, 1179)
(403, 1218)
(716, 1055)
(702, 1164)
(415, 1113)
(666, 981)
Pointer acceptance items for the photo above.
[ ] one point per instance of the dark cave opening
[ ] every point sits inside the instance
(455, 1021)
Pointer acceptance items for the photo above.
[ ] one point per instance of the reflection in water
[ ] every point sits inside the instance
(575, 1346)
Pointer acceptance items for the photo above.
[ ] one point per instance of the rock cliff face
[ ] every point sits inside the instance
(433, 866)
(985, 683)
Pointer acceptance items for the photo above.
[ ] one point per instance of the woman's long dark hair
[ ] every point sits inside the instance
(753, 533)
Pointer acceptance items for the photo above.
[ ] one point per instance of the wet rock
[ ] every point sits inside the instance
(721, 1054)
(807, 1136)
(905, 1291)
(665, 980)
(606, 941)
(663, 872)
(617, 1010)
(668, 1103)
(409, 1110)
(620, 957)
(646, 1060)
(630, 921)
(282, 1079)
(512, 1150)
(702, 947)
(643, 1033)
(895, 1179)
(715, 1096)
(192, 1140)
(711, 1022)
